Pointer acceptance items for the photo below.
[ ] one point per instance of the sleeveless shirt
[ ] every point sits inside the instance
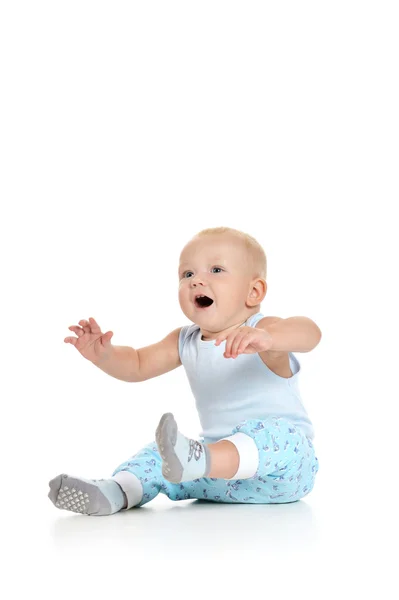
(227, 391)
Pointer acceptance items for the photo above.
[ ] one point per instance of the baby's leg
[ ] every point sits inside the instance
(145, 467)
(97, 497)
(185, 459)
(263, 461)
(287, 461)
(134, 483)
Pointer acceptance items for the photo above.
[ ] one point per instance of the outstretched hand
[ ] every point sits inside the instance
(245, 340)
(91, 342)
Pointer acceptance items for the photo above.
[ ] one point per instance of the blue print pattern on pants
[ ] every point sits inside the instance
(286, 471)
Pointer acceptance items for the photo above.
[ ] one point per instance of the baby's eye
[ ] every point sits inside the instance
(185, 273)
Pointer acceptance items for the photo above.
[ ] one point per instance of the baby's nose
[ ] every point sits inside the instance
(195, 280)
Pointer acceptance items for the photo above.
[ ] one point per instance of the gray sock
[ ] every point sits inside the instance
(183, 459)
(97, 497)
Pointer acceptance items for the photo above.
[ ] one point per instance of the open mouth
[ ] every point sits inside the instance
(203, 301)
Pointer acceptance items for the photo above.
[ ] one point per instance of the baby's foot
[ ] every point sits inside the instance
(183, 459)
(87, 496)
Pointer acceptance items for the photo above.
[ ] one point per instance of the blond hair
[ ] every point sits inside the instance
(255, 251)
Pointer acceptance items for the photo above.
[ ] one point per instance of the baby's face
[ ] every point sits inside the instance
(217, 267)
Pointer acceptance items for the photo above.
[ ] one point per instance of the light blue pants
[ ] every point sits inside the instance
(286, 471)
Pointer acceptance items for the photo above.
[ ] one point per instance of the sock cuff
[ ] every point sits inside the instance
(248, 455)
(132, 487)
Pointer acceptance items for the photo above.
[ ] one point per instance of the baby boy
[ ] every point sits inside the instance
(256, 440)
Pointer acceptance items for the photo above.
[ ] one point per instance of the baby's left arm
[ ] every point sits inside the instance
(272, 337)
(295, 334)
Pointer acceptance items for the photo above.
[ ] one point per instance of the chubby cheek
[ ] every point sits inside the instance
(183, 297)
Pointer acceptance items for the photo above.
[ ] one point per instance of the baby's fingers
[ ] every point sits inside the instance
(237, 343)
(244, 343)
(90, 326)
(95, 328)
(78, 330)
(231, 343)
(85, 325)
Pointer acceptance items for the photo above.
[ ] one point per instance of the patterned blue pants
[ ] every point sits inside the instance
(286, 471)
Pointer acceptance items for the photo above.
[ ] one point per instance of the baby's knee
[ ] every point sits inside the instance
(277, 435)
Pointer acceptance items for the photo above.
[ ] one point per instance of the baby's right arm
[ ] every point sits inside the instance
(123, 362)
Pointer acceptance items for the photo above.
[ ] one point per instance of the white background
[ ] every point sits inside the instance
(127, 127)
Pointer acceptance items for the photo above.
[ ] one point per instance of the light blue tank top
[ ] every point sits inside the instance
(228, 391)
